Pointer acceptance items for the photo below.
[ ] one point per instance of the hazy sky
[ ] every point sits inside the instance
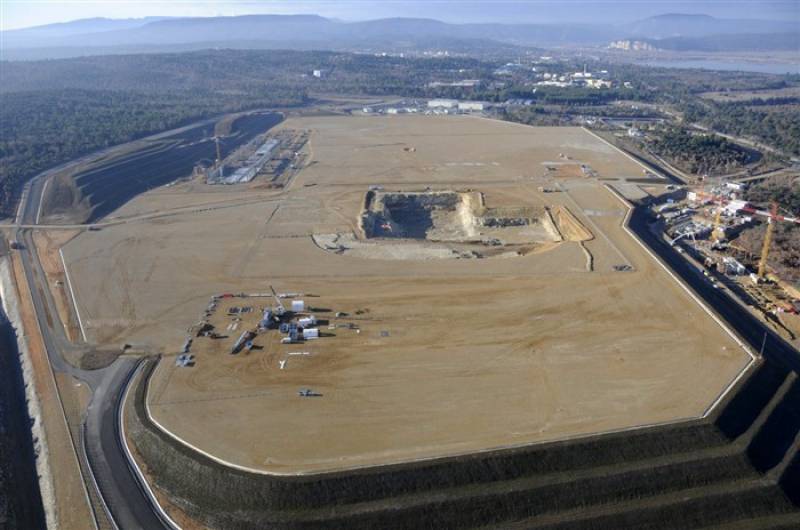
(23, 13)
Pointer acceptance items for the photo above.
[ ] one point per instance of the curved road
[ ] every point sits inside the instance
(119, 487)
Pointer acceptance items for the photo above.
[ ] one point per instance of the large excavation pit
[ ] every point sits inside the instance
(436, 216)
(444, 224)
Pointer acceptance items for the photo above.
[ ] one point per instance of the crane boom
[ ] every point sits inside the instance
(279, 310)
(716, 233)
(771, 220)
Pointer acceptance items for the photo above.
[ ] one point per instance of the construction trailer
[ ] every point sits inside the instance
(732, 266)
(307, 322)
(310, 333)
(243, 339)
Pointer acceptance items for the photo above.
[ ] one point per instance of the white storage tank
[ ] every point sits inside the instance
(310, 333)
(298, 305)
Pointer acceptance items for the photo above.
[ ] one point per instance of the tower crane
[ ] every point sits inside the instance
(773, 216)
(219, 155)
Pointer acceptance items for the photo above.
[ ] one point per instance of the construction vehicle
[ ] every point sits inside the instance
(279, 308)
(772, 216)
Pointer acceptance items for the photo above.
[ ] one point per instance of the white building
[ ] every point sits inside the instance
(733, 267)
(736, 186)
(317, 73)
(598, 83)
(471, 106)
(442, 104)
(733, 207)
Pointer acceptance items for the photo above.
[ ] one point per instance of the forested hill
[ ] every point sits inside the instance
(53, 111)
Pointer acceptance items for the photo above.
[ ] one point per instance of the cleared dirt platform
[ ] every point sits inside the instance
(450, 356)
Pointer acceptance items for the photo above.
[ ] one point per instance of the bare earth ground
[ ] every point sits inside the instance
(47, 245)
(452, 356)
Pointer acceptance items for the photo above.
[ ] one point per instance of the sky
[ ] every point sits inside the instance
(24, 13)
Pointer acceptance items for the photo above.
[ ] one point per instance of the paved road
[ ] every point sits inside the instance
(118, 485)
(129, 505)
(748, 326)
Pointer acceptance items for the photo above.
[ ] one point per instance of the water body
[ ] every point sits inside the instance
(20, 498)
(733, 65)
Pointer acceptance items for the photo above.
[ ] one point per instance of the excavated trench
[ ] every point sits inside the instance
(423, 215)
(449, 224)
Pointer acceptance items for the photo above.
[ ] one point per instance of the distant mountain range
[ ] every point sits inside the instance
(100, 36)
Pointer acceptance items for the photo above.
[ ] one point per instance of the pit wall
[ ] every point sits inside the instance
(495, 486)
(469, 208)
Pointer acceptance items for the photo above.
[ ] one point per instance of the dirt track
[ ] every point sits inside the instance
(476, 354)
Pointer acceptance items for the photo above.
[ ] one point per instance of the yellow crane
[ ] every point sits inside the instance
(717, 233)
(771, 220)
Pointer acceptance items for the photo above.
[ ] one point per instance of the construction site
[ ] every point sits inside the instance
(581, 332)
(706, 224)
(271, 157)
(434, 321)
(453, 224)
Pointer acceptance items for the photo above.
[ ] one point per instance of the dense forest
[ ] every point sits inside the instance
(698, 153)
(53, 111)
(776, 127)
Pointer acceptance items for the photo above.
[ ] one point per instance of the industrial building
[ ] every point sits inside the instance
(733, 267)
(249, 169)
(442, 104)
(472, 106)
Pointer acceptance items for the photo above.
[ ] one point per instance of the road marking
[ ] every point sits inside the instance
(129, 455)
(94, 479)
(23, 199)
(72, 295)
(41, 200)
